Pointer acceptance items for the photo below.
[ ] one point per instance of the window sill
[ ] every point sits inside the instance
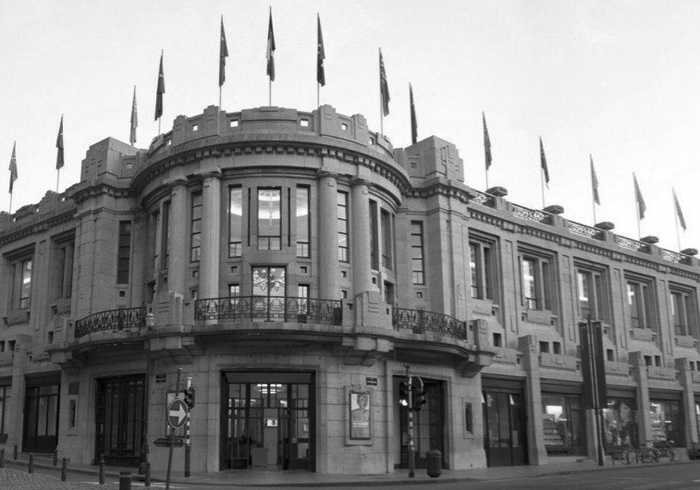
(15, 317)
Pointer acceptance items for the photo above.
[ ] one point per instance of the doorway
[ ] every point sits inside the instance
(41, 404)
(505, 439)
(269, 289)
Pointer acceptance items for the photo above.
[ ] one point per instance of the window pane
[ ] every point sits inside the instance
(235, 221)
(269, 212)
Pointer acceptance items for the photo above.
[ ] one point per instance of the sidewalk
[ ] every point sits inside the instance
(305, 479)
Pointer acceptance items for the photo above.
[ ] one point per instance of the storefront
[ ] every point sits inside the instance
(667, 419)
(563, 420)
(505, 435)
(621, 419)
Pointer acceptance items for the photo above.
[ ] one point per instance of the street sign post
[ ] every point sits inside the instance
(177, 413)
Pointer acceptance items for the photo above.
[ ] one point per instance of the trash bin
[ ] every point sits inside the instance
(434, 463)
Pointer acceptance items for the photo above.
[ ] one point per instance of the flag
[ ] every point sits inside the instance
(487, 143)
(134, 120)
(681, 219)
(271, 50)
(223, 54)
(160, 90)
(641, 207)
(383, 85)
(320, 56)
(59, 146)
(13, 167)
(593, 365)
(414, 122)
(543, 162)
(594, 183)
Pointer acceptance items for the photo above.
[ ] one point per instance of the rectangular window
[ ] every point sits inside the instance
(235, 222)
(374, 230)
(165, 236)
(343, 250)
(196, 228)
(25, 290)
(481, 270)
(65, 270)
(303, 294)
(640, 300)
(536, 272)
(683, 311)
(591, 286)
(417, 261)
(124, 252)
(303, 222)
(269, 219)
(387, 242)
(5, 392)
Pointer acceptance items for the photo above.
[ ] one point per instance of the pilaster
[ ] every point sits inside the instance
(328, 236)
(537, 455)
(211, 221)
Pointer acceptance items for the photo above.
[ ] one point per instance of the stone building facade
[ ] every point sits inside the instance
(294, 267)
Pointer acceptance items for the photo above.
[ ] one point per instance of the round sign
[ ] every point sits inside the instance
(177, 413)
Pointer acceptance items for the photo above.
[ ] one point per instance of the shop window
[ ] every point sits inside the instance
(641, 304)
(196, 228)
(417, 261)
(683, 311)
(483, 273)
(342, 209)
(537, 274)
(667, 422)
(562, 423)
(620, 424)
(269, 219)
(303, 221)
(235, 222)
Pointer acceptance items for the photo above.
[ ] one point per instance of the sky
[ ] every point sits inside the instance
(618, 80)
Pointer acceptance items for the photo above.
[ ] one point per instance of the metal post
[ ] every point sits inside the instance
(2, 458)
(188, 447)
(124, 480)
(172, 436)
(64, 470)
(30, 467)
(147, 475)
(411, 448)
(102, 469)
(15, 453)
(55, 457)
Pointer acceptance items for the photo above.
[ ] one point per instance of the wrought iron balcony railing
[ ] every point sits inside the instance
(114, 320)
(421, 321)
(260, 308)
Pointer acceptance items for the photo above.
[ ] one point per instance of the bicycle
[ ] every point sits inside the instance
(665, 449)
(649, 454)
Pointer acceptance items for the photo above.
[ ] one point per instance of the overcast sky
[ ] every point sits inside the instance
(616, 79)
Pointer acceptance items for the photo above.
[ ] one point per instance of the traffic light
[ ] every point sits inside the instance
(189, 397)
(403, 394)
(418, 395)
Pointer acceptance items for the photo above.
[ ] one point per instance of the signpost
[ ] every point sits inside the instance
(176, 414)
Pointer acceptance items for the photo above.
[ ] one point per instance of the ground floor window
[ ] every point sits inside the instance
(4, 407)
(620, 422)
(41, 416)
(666, 422)
(562, 423)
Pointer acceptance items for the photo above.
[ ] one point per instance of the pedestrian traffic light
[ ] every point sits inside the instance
(403, 394)
(418, 395)
(189, 397)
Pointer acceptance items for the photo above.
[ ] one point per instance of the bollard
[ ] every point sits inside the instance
(64, 470)
(30, 467)
(55, 457)
(2, 458)
(147, 475)
(124, 480)
(15, 455)
(102, 469)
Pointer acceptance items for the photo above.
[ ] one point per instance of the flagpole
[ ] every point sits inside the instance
(58, 175)
(318, 95)
(636, 207)
(594, 218)
(487, 179)
(544, 205)
(675, 212)
(10, 211)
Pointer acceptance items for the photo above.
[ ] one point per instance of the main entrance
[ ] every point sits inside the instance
(268, 420)
(41, 404)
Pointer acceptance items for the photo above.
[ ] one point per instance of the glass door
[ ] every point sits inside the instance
(269, 291)
(504, 429)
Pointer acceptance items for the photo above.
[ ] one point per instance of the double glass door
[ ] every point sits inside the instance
(504, 429)
(269, 288)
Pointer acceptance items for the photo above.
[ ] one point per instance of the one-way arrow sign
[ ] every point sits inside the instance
(177, 413)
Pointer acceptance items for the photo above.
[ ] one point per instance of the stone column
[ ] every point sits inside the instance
(639, 373)
(685, 378)
(536, 451)
(177, 259)
(211, 224)
(328, 236)
(360, 238)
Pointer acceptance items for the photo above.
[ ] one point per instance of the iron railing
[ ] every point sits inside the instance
(114, 320)
(421, 321)
(261, 308)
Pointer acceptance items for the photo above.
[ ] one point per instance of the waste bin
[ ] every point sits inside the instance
(434, 463)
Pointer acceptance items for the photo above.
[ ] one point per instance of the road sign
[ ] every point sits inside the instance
(177, 413)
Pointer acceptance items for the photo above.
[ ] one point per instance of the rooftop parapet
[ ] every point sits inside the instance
(52, 204)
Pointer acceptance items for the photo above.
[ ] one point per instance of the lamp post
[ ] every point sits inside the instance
(150, 323)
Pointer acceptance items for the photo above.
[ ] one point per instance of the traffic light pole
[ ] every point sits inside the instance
(411, 448)
(188, 448)
(172, 436)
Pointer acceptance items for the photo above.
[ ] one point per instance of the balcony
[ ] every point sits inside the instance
(245, 309)
(111, 321)
(420, 321)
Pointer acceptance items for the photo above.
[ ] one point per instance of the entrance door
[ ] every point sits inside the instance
(504, 429)
(41, 418)
(119, 418)
(428, 426)
(267, 423)
(268, 292)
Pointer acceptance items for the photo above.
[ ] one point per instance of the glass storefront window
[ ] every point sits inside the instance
(666, 422)
(620, 422)
(562, 421)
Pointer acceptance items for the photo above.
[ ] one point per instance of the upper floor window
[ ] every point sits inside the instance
(343, 250)
(537, 280)
(374, 234)
(683, 311)
(123, 252)
(25, 289)
(641, 304)
(303, 221)
(387, 242)
(269, 219)
(64, 276)
(196, 228)
(235, 222)
(482, 270)
(417, 262)
(591, 286)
